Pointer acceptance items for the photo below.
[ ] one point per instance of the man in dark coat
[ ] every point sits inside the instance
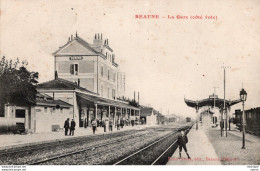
(66, 126)
(110, 125)
(182, 141)
(72, 127)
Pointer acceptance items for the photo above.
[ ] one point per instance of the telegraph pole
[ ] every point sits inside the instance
(224, 107)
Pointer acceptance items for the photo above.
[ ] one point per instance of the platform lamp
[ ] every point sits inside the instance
(243, 96)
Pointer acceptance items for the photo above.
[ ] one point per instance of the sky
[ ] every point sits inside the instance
(164, 59)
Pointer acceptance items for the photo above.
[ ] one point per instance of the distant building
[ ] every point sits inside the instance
(172, 119)
(206, 117)
(188, 119)
(149, 115)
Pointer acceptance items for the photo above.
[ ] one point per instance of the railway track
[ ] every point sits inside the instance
(81, 151)
(102, 148)
(40, 146)
(88, 151)
(138, 158)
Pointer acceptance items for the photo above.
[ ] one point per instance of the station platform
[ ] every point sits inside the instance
(207, 147)
(18, 140)
(199, 148)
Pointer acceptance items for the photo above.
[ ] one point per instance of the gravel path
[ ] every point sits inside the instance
(229, 149)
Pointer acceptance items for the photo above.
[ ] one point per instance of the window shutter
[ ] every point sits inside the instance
(72, 68)
(76, 67)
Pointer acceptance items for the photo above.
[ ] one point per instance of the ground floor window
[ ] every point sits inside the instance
(20, 113)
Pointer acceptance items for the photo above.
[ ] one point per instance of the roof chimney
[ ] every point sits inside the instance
(71, 37)
(56, 75)
(101, 36)
(134, 95)
(76, 34)
(138, 97)
(97, 42)
(78, 82)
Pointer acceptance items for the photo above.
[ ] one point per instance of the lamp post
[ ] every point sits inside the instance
(243, 96)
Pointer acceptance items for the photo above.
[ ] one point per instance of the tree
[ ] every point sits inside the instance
(17, 84)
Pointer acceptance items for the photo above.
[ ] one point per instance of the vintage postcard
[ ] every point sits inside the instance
(137, 82)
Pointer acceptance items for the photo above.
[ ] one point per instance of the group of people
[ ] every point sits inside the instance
(108, 124)
(69, 126)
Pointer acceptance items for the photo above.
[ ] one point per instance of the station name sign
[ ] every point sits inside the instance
(76, 58)
(212, 96)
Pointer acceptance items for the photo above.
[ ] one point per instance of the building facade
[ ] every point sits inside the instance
(88, 78)
(93, 65)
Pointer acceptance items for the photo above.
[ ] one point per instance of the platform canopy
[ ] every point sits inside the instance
(219, 103)
(89, 99)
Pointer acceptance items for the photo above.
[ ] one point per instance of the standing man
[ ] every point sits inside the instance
(182, 141)
(66, 126)
(110, 125)
(118, 124)
(72, 127)
(106, 125)
(94, 125)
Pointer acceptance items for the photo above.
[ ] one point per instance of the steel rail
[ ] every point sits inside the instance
(167, 149)
(53, 143)
(144, 148)
(83, 150)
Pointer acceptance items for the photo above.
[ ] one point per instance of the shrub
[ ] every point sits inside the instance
(7, 129)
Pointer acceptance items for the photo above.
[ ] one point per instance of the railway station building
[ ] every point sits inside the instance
(88, 77)
(87, 84)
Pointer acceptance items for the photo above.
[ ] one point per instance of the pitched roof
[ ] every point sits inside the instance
(52, 103)
(80, 41)
(46, 100)
(61, 84)
(210, 102)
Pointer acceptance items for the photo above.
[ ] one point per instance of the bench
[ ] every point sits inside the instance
(56, 128)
